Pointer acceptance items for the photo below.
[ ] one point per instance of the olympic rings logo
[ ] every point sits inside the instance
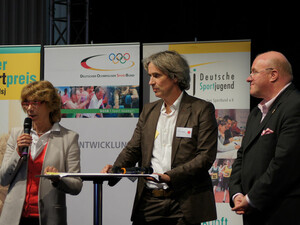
(119, 57)
(89, 62)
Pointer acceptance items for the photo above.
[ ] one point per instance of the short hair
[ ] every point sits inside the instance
(226, 118)
(281, 63)
(221, 121)
(284, 66)
(173, 65)
(44, 91)
(97, 89)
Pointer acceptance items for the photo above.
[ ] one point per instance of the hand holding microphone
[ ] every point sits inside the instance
(25, 140)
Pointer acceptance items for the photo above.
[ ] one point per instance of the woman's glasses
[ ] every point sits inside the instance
(33, 104)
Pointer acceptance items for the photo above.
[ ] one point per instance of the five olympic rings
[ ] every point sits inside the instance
(119, 57)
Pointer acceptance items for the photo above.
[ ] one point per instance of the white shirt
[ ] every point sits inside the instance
(39, 143)
(162, 150)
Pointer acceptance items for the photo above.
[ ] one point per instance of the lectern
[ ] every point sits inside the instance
(98, 179)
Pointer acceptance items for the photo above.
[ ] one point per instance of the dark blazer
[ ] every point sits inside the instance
(267, 164)
(63, 153)
(191, 157)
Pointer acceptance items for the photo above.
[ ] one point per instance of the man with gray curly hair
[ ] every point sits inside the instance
(173, 65)
(177, 137)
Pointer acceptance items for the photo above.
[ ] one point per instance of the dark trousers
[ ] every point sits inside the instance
(284, 211)
(159, 211)
(29, 221)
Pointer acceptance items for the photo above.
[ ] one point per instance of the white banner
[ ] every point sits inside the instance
(99, 87)
(218, 75)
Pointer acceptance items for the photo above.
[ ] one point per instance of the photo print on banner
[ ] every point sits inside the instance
(99, 101)
(231, 129)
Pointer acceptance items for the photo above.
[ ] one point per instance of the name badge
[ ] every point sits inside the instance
(184, 132)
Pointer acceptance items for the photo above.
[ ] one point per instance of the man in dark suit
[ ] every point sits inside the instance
(265, 182)
(177, 137)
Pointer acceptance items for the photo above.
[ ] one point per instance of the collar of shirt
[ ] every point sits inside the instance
(55, 127)
(38, 143)
(173, 107)
(265, 106)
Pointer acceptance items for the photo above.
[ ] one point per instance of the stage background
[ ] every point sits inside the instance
(218, 74)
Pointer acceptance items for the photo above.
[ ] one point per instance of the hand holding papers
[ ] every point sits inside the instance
(53, 170)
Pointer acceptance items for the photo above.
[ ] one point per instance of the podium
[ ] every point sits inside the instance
(98, 179)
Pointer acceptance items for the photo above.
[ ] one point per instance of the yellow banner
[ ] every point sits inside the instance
(19, 66)
(211, 47)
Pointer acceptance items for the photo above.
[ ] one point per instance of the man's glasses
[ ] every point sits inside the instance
(257, 72)
(33, 104)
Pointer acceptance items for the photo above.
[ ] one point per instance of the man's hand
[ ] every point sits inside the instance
(106, 169)
(241, 205)
(163, 178)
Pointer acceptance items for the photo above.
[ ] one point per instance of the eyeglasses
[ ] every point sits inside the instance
(255, 72)
(34, 104)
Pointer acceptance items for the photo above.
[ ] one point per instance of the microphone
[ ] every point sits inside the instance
(132, 170)
(27, 128)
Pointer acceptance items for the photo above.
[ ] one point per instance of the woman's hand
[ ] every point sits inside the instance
(51, 169)
(24, 140)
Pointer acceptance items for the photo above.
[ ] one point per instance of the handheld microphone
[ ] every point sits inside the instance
(27, 128)
(132, 170)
